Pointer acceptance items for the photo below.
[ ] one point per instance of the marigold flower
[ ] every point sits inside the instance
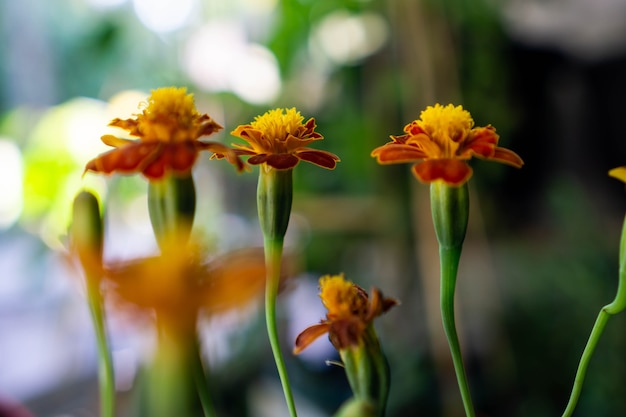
(441, 142)
(168, 129)
(350, 312)
(279, 138)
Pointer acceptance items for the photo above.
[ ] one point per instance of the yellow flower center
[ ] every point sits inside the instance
(340, 297)
(448, 126)
(277, 124)
(169, 115)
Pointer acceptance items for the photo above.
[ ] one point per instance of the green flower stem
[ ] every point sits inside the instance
(87, 239)
(450, 211)
(616, 306)
(200, 379)
(449, 261)
(274, 198)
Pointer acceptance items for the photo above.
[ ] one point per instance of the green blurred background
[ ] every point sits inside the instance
(540, 257)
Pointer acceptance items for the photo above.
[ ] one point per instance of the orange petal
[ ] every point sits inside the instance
(507, 156)
(127, 159)
(452, 171)
(279, 161)
(320, 158)
(114, 141)
(309, 335)
(482, 141)
(393, 153)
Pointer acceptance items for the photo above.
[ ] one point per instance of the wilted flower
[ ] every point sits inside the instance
(350, 312)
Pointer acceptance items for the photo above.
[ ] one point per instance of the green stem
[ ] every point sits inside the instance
(449, 261)
(200, 378)
(594, 337)
(273, 259)
(105, 361)
(616, 306)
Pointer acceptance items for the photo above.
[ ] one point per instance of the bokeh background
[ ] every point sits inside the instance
(541, 255)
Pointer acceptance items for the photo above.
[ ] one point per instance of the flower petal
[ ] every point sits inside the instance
(618, 173)
(452, 171)
(481, 141)
(280, 161)
(309, 335)
(393, 153)
(320, 158)
(507, 156)
(114, 141)
(131, 158)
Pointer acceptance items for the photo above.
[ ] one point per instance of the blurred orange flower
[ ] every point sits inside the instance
(279, 138)
(168, 129)
(350, 312)
(180, 283)
(441, 142)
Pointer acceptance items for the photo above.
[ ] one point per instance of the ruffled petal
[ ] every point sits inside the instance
(320, 158)
(481, 141)
(114, 141)
(309, 335)
(452, 171)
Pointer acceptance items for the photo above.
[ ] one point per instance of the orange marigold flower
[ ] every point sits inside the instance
(168, 129)
(350, 312)
(279, 138)
(441, 142)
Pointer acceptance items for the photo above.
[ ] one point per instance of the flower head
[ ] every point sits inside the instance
(167, 129)
(441, 142)
(279, 138)
(350, 312)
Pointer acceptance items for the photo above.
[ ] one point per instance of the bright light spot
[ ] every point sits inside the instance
(345, 38)
(10, 183)
(256, 79)
(219, 58)
(125, 104)
(86, 122)
(105, 4)
(164, 15)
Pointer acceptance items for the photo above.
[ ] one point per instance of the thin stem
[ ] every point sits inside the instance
(273, 259)
(449, 261)
(200, 378)
(105, 361)
(594, 337)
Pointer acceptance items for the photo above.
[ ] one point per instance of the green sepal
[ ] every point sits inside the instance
(87, 230)
(367, 371)
(450, 211)
(274, 198)
(357, 407)
(172, 206)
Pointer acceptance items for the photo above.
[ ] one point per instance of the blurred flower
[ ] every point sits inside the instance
(350, 312)
(168, 129)
(180, 283)
(441, 142)
(618, 173)
(278, 138)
